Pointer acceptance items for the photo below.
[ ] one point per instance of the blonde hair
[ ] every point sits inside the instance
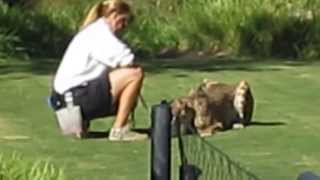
(105, 9)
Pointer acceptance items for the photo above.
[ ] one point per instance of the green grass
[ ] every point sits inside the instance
(15, 168)
(284, 142)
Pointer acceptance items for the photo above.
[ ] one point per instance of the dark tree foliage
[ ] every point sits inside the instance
(23, 3)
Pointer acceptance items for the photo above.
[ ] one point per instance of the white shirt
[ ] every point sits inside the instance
(91, 51)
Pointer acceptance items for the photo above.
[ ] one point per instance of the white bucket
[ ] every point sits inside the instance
(70, 120)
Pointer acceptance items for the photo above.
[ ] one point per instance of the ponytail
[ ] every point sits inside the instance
(94, 13)
(105, 8)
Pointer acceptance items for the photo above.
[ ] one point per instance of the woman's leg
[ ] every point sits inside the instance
(125, 88)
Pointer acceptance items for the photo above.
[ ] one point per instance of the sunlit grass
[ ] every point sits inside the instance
(283, 143)
(15, 167)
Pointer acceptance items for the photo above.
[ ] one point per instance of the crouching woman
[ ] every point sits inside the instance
(98, 69)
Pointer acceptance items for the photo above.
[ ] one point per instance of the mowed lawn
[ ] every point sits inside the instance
(283, 141)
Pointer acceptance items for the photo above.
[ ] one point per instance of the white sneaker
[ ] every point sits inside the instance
(124, 134)
(238, 126)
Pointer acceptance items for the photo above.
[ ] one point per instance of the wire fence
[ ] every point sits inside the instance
(203, 161)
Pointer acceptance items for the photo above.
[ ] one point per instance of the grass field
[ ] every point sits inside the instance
(283, 141)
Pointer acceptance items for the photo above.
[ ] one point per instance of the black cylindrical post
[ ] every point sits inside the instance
(308, 175)
(161, 141)
(189, 172)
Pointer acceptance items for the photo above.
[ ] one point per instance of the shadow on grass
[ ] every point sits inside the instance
(49, 66)
(97, 135)
(214, 64)
(42, 67)
(105, 134)
(258, 123)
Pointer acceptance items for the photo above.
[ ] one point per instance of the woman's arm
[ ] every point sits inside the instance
(112, 52)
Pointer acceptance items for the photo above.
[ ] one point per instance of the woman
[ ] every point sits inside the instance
(99, 70)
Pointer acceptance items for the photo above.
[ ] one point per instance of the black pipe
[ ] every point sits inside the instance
(189, 172)
(161, 141)
(308, 175)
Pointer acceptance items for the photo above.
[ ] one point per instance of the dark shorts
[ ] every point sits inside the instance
(94, 98)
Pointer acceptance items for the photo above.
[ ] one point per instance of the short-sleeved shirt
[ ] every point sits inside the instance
(91, 52)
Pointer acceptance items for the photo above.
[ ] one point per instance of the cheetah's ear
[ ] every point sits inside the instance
(192, 92)
(205, 81)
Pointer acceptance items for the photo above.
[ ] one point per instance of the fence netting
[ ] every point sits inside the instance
(201, 160)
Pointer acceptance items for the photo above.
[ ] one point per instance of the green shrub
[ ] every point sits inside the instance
(8, 37)
(258, 27)
(16, 168)
(280, 31)
(8, 42)
(149, 34)
(31, 32)
(256, 34)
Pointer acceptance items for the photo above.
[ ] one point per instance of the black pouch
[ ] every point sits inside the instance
(56, 101)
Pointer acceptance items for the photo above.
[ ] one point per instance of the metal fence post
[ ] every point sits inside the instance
(161, 142)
